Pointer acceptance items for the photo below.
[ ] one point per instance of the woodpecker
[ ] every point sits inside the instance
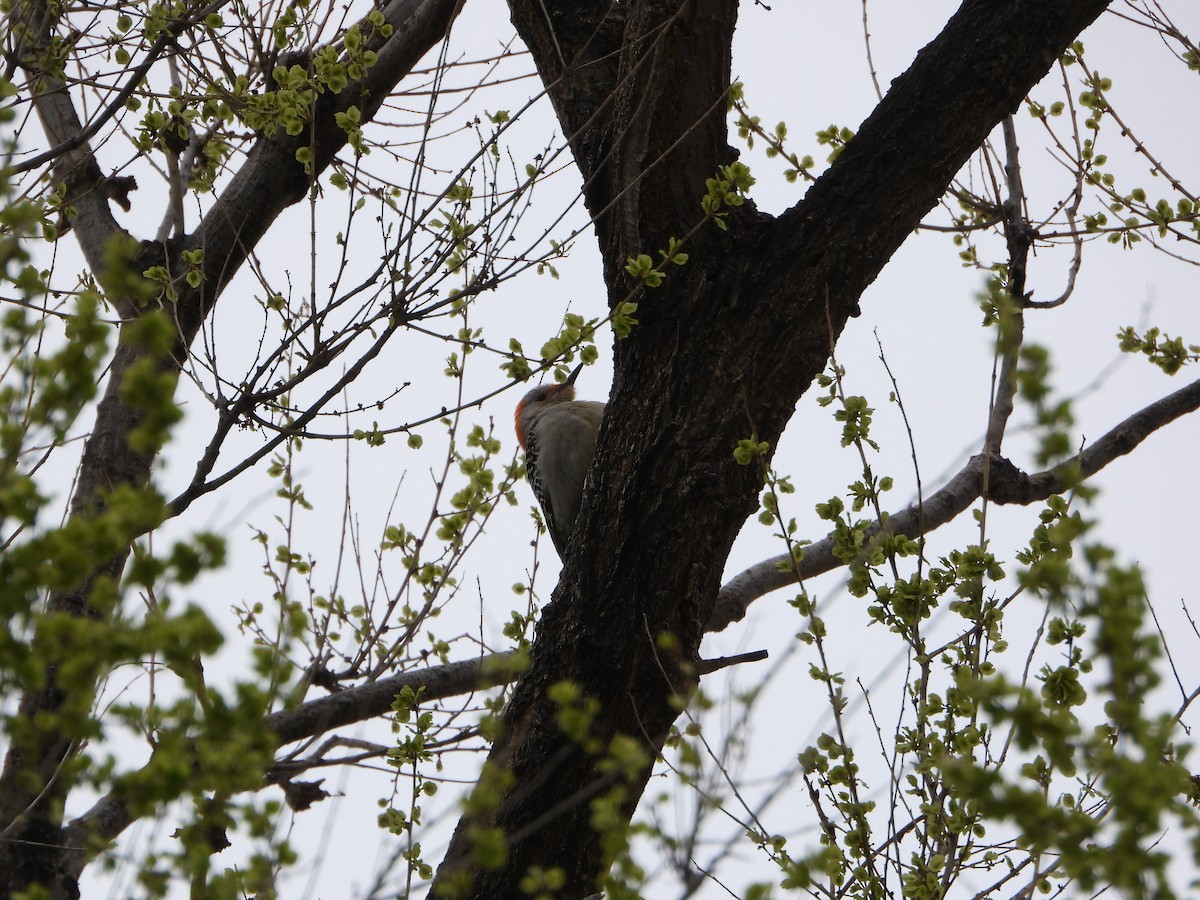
(558, 434)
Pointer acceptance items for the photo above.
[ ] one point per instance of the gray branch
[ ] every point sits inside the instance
(995, 477)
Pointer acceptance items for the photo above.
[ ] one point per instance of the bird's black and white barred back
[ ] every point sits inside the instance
(558, 434)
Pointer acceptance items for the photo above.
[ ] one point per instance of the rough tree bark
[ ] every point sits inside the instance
(723, 351)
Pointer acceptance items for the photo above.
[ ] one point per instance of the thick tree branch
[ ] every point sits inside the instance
(1007, 484)
(30, 792)
(1001, 482)
(111, 815)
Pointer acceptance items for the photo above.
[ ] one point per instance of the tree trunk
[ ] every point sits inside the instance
(724, 350)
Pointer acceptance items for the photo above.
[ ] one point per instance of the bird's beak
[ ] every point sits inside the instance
(574, 374)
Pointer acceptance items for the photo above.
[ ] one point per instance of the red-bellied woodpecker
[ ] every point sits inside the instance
(558, 434)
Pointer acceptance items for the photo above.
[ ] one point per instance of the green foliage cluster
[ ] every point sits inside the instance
(1176, 215)
(749, 127)
(727, 190)
(72, 618)
(1168, 353)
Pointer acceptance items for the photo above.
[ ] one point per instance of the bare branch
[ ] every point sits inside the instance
(272, 179)
(1005, 483)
